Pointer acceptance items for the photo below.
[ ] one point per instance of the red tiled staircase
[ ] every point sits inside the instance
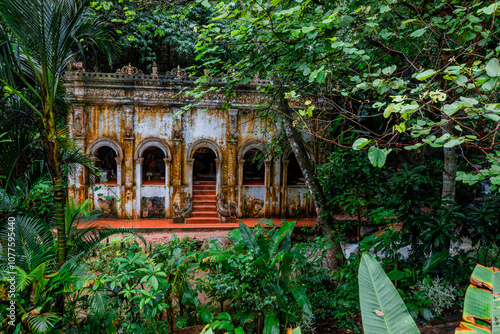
(204, 208)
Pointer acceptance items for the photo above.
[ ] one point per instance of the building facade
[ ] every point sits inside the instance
(158, 162)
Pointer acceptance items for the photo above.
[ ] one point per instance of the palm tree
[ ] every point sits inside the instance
(47, 33)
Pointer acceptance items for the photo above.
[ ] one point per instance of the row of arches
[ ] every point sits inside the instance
(155, 153)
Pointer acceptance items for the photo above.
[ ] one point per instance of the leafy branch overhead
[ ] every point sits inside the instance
(396, 75)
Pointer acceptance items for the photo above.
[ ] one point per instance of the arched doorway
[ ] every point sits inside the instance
(294, 175)
(152, 157)
(204, 166)
(204, 187)
(106, 162)
(253, 168)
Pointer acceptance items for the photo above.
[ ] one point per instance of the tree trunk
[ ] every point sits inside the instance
(449, 167)
(55, 161)
(54, 156)
(325, 223)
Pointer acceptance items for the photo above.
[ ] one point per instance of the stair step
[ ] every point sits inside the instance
(203, 198)
(201, 214)
(201, 188)
(203, 220)
(203, 202)
(204, 192)
(203, 182)
(208, 208)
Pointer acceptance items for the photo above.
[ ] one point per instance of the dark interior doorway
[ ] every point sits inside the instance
(204, 167)
(107, 165)
(153, 166)
(253, 168)
(295, 176)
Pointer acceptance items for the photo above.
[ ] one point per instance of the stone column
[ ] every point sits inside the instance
(76, 122)
(218, 163)
(232, 146)
(138, 186)
(283, 188)
(275, 189)
(128, 153)
(177, 159)
(240, 207)
(167, 187)
(176, 171)
(119, 183)
(91, 188)
(267, 182)
(190, 177)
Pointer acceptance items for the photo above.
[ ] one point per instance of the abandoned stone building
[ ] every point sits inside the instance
(194, 166)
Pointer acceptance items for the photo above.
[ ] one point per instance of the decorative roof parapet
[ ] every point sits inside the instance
(129, 69)
(178, 73)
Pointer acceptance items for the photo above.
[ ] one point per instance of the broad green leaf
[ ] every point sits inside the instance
(426, 74)
(382, 309)
(275, 2)
(280, 234)
(413, 147)
(305, 30)
(300, 296)
(450, 109)
(434, 260)
(419, 32)
(388, 110)
(249, 238)
(454, 142)
(360, 143)
(482, 302)
(271, 324)
(377, 156)
(493, 68)
(493, 117)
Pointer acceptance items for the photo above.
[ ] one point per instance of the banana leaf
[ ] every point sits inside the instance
(382, 309)
(482, 303)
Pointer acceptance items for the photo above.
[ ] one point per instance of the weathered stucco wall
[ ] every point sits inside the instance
(131, 112)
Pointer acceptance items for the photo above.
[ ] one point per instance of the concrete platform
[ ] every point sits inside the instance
(167, 224)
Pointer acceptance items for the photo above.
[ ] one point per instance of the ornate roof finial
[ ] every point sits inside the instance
(154, 70)
(129, 69)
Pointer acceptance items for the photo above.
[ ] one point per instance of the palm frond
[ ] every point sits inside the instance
(42, 323)
(34, 243)
(86, 239)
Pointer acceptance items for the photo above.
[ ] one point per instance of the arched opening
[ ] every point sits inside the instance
(153, 171)
(253, 168)
(204, 166)
(106, 163)
(294, 176)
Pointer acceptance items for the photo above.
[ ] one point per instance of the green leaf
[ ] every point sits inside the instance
(482, 300)
(360, 143)
(419, 32)
(493, 117)
(493, 68)
(275, 2)
(382, 309)
(249, 238)
(305, 30)
(271, 324)
(377, 156)
(450, 109)
(434, 260)
(300, 296)
(388, 110)
(425, 75)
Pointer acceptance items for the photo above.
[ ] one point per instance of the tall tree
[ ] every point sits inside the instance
(49, 33)
(401, 74)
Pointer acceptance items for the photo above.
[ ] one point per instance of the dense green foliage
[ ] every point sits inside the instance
(403, 95)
